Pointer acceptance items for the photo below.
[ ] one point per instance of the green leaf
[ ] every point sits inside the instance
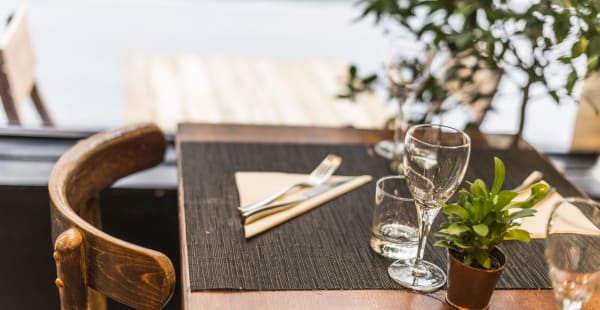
(499, 174)
(483, 259)
(442, 244)
(504, 198)
(571, 80)
(457, 229)
(457, 210)
(467, 260)
(517, 234)
(579, 47)
(594, 46)
(554, 96)
(481, 229)
(521, 214)
(561, 26)
(369, 79)
(479, 189)
(352, 71)
(538, 192)
(565, 60)
(592, 63)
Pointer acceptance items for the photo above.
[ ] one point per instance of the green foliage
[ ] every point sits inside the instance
(355, 84)
(483, 218)
(525, 38)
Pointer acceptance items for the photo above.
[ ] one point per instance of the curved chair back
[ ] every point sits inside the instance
(90, 263)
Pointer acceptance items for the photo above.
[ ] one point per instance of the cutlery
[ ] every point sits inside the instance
(317, 177)
(262, 211)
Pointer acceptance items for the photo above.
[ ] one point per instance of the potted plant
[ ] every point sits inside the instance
(478, 222)
(529, 42)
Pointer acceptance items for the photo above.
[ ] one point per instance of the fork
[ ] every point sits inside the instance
(317, 177)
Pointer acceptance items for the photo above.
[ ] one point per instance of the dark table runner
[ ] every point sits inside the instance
(326, 248)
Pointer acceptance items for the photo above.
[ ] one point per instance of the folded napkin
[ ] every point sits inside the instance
(570, 219)
(253, 186)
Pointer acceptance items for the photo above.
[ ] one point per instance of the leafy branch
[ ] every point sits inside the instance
(523, 41)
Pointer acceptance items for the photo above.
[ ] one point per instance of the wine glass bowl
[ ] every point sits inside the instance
(435, 162)
(573, 251)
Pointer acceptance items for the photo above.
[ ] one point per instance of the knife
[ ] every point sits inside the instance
(252, 215)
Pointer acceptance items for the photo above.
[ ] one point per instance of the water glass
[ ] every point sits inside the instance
(573, 250)
(394, 229)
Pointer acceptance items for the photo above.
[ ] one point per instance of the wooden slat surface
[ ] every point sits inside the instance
(167, 89)
(17, 58)
(350, 299)
(586, 136)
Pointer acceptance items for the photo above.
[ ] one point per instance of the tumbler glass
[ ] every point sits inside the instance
(394, 229)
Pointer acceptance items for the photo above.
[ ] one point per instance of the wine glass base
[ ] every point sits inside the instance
(433, 279)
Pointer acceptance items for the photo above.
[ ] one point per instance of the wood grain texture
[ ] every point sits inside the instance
(167, 89)
(352, 299)
(202, 132)
(368, 299)
(70, 270)
(130, 274)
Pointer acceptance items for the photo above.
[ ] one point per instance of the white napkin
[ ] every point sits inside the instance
(253, 186)
(570, 219)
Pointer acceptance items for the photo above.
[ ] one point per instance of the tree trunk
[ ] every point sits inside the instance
(522, 114)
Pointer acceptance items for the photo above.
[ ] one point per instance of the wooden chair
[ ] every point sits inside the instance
(586, 135)
(17, 69)
(91, 264)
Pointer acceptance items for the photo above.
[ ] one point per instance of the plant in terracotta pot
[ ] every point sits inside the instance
(478, 222)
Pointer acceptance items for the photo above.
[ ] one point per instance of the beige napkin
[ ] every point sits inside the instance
(570, 219)
(253, 186)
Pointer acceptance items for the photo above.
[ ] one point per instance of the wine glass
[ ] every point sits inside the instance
(406, 75)
(435, 162)
(407, 69)
(573, 250)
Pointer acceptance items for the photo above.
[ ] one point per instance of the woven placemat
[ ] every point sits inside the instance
(326, 248)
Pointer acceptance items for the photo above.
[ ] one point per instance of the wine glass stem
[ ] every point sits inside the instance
(568, 304)
(398, 134)
(427, 214)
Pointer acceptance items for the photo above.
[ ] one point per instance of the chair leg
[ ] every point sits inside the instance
(70, 271)
(8, 101)
(41, 107)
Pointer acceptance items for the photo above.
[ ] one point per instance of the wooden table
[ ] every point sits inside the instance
(332, 299)
(170, 88)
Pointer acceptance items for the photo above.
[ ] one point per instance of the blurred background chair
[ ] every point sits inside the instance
(90, 263)
(17, 71)
(586, 135)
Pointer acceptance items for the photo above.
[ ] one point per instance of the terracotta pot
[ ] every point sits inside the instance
(469, 287)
